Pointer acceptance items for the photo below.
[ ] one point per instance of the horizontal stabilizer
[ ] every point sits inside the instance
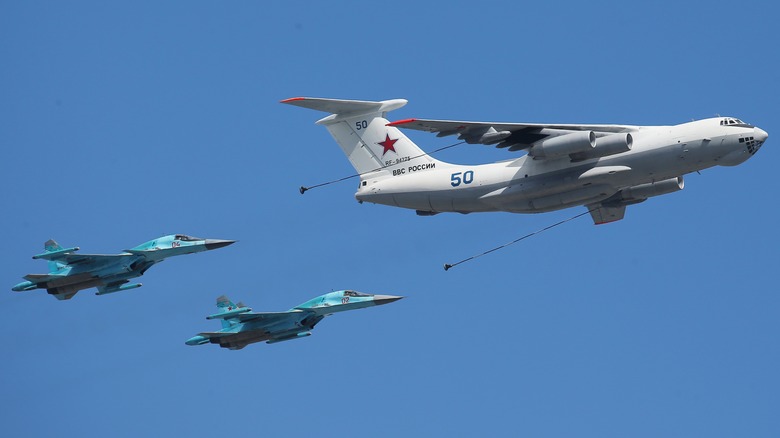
(230, 313)
(54, 255)
(41, 278)
(341, 107)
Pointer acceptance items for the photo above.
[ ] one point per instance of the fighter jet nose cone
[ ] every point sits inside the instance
(385, 299)
(216, 243)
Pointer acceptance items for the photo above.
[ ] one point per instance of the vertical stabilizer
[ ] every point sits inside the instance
(360, 128)
(225, 305)
(52, 246)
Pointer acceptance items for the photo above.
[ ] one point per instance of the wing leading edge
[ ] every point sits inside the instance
(514, 136)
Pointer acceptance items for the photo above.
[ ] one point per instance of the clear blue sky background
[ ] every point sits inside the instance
(121, 123)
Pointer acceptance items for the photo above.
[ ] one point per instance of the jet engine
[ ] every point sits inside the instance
(643, 191)
(605, 146)
(563, 145)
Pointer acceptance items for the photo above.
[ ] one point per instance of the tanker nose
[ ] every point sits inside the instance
(217, 243)
(760, 135)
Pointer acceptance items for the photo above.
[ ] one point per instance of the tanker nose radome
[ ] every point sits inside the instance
(216, 243)
(760, 135)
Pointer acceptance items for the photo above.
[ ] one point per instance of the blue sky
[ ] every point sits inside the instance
(125, 122)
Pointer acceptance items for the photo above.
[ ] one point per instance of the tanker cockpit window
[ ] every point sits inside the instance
(730, 121)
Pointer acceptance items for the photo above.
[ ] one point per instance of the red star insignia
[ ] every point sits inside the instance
(387, 144)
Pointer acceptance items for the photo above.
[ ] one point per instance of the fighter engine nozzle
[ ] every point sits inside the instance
(217, 243)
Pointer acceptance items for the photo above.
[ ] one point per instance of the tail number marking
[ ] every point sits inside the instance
(467, 178)
(361, 125)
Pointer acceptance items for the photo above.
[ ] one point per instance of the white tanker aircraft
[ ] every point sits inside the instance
(603, 167)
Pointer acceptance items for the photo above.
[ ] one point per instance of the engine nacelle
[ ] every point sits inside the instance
(644, 191)
(563, 145)
(607, 145)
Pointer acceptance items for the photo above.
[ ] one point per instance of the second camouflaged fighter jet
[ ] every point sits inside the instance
(241, 326)
(70, 272)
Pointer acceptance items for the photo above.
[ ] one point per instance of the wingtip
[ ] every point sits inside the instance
(401, 122)
(292, 99)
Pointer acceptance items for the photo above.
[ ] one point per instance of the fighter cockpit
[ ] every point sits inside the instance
(352, 293)
(185, 238)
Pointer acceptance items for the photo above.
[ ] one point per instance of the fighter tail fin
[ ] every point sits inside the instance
(360, 128)
(224, 305)
(52, 246)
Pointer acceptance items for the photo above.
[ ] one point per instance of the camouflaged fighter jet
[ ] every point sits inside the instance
(603, 167)
(241, 327)
(70, 272)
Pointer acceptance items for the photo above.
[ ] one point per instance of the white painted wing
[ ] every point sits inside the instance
(515, 136)
(449, 127)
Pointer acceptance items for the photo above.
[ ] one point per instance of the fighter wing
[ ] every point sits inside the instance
(56, 253)
(82, 259)
(265, 317)
(42, 278)
(515, 136)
